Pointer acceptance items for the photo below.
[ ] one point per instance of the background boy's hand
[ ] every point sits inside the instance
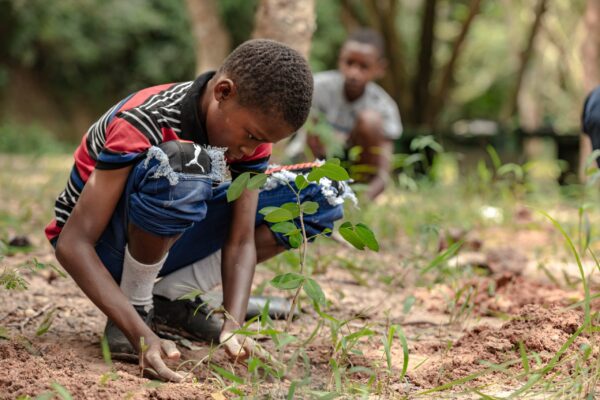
(153, 363)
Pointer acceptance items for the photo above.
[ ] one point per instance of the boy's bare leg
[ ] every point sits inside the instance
(376, 155)
(266, 245)
(147, 248)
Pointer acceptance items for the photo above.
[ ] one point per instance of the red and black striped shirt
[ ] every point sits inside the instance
(123, 134)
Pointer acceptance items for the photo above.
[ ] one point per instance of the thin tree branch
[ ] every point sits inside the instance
(448, 71)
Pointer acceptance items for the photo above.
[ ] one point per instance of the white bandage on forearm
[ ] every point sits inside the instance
(203, 275)
(138, 279)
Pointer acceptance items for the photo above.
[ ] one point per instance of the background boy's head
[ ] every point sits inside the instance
(361, 60)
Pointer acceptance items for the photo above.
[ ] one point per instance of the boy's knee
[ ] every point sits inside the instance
(330, 197)
(369, 124)
(169, 190)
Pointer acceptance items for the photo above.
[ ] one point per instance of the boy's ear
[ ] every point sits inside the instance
(224, 89)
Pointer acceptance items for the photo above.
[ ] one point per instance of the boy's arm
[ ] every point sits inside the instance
(383, 166)
(239, 259)
(76, 252)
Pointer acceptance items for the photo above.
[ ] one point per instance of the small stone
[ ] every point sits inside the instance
(20, 241)
(29, 312)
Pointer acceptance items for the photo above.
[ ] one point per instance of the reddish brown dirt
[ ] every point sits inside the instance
(506, 308)
(541, 330)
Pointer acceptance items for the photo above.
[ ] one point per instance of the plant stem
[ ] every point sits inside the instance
(302, 251)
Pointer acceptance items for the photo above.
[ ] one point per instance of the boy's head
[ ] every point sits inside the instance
(361, 60)
(261, 93)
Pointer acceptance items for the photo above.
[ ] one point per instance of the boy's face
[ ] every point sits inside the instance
(360, 63)
(238, 128)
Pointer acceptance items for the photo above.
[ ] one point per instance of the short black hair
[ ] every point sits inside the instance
(368, 36)
(272, 78)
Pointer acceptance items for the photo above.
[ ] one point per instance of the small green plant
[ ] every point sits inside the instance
(288, 219)
(12, 279)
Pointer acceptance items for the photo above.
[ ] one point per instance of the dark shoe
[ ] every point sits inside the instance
(118, 344)
(279, 307)
(189, 318)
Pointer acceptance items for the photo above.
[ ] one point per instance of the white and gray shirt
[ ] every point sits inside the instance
(329, 99)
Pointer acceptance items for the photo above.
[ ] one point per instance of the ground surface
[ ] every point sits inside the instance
(518, 294)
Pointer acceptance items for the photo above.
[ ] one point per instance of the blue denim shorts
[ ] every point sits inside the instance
(191, 204)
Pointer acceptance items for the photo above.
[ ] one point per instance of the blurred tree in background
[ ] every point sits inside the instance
(515, 62)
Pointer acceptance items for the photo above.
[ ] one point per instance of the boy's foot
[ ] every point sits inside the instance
(189, 318)
(118, 344)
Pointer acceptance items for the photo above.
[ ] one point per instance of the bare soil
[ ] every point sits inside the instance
(448, 338)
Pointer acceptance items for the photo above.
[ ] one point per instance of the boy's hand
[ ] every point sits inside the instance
(240, 347)
(152, 360)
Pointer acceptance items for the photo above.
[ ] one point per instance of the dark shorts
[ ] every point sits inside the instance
(168, 202)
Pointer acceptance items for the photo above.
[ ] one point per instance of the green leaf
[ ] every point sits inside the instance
(295, 240)
(367, 236)
(408, 303)
(309, 207)
(315, 175)
(279, 215)
(347, 232)
(237, 186)
(524, 359)
(301, 182)
(443, 256)
(284, 227)
(106, 351)
(257, 181)
(46, 323)
(292, 208)
(4, 334)
(61, 391)
(287, 281)
(402, 337)
(227, 374)
(267, 210)
(334, 172)
(314, 291)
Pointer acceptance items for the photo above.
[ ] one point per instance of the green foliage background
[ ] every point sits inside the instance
(94, 52)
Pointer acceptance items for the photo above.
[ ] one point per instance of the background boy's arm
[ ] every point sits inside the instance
(239, 259)
(76, 252)
(383, 166)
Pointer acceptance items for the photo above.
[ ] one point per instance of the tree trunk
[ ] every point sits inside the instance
(351, 12)
(590, 50)
(288, 21)
(524, 58)
(421, 92)
(590, 54)
(383, 14)
(212, 40)
(448, 71)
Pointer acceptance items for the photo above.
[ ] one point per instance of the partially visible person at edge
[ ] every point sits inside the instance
(145, 199)
(590, 126)
(360, 112)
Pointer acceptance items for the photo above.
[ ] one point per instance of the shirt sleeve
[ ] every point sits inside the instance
(124, 145)
(590, 117)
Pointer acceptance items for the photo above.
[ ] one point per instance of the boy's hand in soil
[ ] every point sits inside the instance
(152, 360)
(240, 347)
